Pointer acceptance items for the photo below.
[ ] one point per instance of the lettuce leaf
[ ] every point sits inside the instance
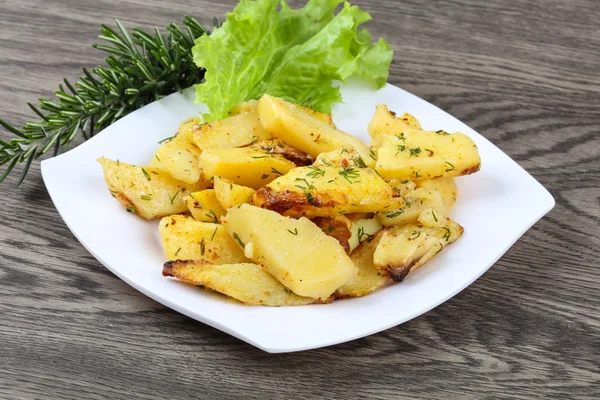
(294, 54)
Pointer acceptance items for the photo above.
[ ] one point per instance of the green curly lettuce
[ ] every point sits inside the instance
(293, 54)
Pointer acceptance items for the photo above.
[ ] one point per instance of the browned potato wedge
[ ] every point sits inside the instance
(402, 249)
(305, 132)
(145, 191)
(327, 191)
(274, 242)
(179, 158)
(248, 283)
(187, 239)
(368, 278)
(422, 155)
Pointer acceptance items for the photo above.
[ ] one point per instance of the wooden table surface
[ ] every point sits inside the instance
(526, 76)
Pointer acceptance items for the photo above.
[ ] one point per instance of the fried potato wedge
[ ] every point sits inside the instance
(185, 238)
(446, 186)
(252, 105)
(248, 283)
(403, 249)
(245, 166)
(145, 191)
(368, 279)
(305, 132)
(274, 241)
(179, 158)
(422, 155)
(204, 206)
(327, 191)
(416, 202)
(386, 123)
(239, 130)
(230, 194)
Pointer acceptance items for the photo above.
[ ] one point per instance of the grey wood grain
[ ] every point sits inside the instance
(525, 74)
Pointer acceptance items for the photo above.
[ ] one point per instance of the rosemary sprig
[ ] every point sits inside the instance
(141, 68)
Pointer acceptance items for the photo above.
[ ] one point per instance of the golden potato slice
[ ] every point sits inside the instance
(239, 130)
(230, 194)
(248, 283)
(145, 191)
(204, 206)
(327, 191)
(341, 158)
(404, 248)
(252, 106)
(422, 155)
(402, 188)
(187, 128)
(184, 238)
(446, 186)
(295, 251)
(386, 123)
(300, 129)
(415, 203)
(245, 107)
(179, 158)
(368, 279)
(245, 166)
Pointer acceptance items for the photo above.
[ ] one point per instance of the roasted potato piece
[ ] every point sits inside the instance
(276, 146)
(341, 158)
(248, 283)
(368, 279)
(179, 158)
(416, 202)
(184, 238)
(446, 186)
(363, 229)
(252, 105)
(327, 191)
(145, 191)
(230, 194)
(350, 230)
(274, 241)
(402, 188)
(245, 166)
(404, 248)
(423, 155)
(386, 123)
(204, 206)
(186, 129)
(295, 126)
(245, 107)
(239, 130)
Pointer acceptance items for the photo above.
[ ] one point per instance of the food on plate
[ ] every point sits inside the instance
(295, 251)
(368, 279)
(184, 238)
(325, 191)
(146, 191)
(307, 133)
(421, 155)
(231, 194)
(404, 248)
(244, 165)
(204, 206)
(300, 213)
(248, 283)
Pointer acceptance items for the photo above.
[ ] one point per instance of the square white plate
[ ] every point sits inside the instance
(495, 206)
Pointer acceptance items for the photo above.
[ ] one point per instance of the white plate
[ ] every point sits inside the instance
(495, 206)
